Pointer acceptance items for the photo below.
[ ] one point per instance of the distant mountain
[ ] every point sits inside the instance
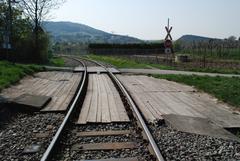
(75, 32)
(191, 38)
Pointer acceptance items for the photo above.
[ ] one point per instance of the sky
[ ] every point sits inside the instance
(146, 19)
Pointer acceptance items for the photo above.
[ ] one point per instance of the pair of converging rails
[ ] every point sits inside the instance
(50, 150)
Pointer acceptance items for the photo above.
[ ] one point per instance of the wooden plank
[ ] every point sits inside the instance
(99, 100)
(42, 135)
(149, 101)
(115, 159)
(120, 107)
(104, 101)
(104, 146)
(173, 98)
(66, 96)
(71, 91)
(158, 104)
(58, 98)
(92, 117)
(140, 102)
(87, 102)
(103, 133)
(63, 92)
(111, 101)
(105, 105)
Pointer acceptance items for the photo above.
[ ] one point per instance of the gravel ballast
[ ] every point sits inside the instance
(70, 139)
(175, 145)
(68, 62)
(22, 130)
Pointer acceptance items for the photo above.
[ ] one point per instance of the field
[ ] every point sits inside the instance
(121, 62)
(166, 64)
(57, 61)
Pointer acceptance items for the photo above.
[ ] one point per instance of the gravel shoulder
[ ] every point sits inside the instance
(175, 145)
(21, 130)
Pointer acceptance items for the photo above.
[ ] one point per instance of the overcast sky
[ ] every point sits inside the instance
(145, 19)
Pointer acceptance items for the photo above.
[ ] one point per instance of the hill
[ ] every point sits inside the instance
(191, 38)
(75, 32)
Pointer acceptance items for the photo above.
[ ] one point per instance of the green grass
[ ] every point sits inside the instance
(11, 73)
(121, 62)
(214, 70)
(57, 61)
(126, 63)
(224, 88)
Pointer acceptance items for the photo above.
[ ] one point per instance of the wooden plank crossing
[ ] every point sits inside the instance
(96, 69)
(102, 103)
(157, 97)
(60, 86)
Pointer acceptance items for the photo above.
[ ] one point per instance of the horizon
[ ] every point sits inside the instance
(147, 19)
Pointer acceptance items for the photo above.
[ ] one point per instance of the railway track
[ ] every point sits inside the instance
(118, 141)
(66, 135)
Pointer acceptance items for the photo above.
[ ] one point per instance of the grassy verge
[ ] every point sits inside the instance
(223, 88)
(126, 63)
(214, 70)
(56, 61)
(122, 62)
(11, 73)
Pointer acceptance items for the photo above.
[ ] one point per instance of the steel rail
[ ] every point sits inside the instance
(135, 109)
(48, 153)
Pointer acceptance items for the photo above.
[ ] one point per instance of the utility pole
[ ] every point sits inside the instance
(7, 37)
(8, 27)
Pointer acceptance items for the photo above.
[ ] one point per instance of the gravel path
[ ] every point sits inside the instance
(21, 131)
(70, 139)
(176, 145)
(71, 62)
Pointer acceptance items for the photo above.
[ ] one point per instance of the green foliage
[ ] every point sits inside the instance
(224, 88)
(57, 62)
(118, 62)
(11, 73)
(177, 46)
(23, 38)
(121, 62)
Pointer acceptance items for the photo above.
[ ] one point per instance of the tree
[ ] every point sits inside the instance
(21, 33)
(232, 38)
(2, 20)
(38, 11)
